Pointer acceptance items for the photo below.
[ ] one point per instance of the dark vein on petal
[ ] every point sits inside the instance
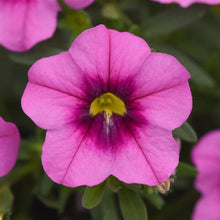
(80, 71)
(101, 127)
(109, 61)
(24, 25)
(57, 90)
(155, 92)
(100, 84)
(75, 153)
(139, 146)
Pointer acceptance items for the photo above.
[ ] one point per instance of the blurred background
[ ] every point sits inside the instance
(192, 35)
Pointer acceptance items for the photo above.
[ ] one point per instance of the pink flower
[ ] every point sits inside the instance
(9, 144)
(206, 157)
(207, 208)
(187, 3)
(78, 4)
(109, 106)
(24, 23)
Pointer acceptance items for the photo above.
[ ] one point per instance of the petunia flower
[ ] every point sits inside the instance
(9, 144)
(109, 106)
(187, 3)
(208, 207)
(24, 23)
(206, 157)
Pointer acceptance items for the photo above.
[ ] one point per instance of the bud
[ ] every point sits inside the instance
(164, 187)
(114, 184)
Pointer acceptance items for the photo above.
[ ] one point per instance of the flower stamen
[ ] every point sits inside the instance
(109, 104)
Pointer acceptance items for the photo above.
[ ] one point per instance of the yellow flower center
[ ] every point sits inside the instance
(109, 104)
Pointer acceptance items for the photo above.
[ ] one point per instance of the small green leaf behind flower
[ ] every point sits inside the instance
(93, 195)
(186, 169)
(6, 200)
(153, 197)
(186, 133)
(107, 209)
(131, 205)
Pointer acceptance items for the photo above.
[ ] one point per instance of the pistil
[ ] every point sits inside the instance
(109, 104)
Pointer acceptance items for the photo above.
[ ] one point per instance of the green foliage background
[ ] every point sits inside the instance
(192, 35)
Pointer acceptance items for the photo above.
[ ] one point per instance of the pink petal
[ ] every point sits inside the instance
(25, 23)
(187, 3)
(50, 108)
(58, 78)
(71, 157)
(9, 144)
(207, 208)
(168, 108)
(149, 157)
(207, 148)
(159, 72)
(60, 73)
(206, 157)
(204, 182)
(90, 51)
(127, 54)
(162, 91)
(78, 4)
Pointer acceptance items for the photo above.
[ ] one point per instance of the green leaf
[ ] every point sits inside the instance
(172, 20)
(50, 201)
(186, 133)
(106, 210)
(109, 208)
(93, 196)
(43, 192)
(96, 213)
(113, 183)
(65, 193)
(6, 200)
(154, 198)
(45, 186)
(186, 169)
(207, 33)
(132, 206)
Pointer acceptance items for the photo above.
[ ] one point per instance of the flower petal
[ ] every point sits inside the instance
(25, 23)
(187, 3)
(60, 73)
(90, 51)
(149, 157)
(159, 72)
(206, 157)
(50, 108)
(9, 144)
(127, 53)
(168, 108)
(78, 4)
(204, 182)
(208, 207)
(56, 77)
(72, 158)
